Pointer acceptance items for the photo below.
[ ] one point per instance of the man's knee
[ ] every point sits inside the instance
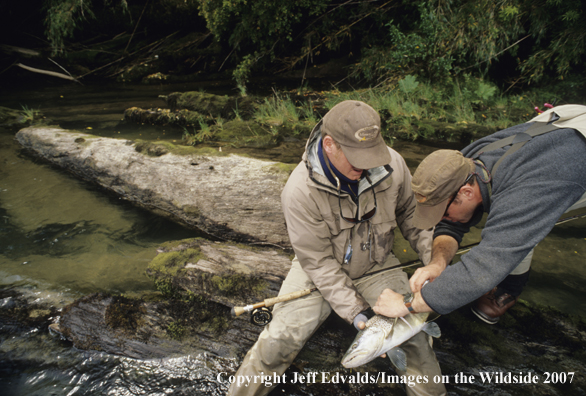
(282, 348)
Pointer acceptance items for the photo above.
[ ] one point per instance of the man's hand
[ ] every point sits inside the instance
(442, 252)
(427, 273)
(390, 304)
(361, 319)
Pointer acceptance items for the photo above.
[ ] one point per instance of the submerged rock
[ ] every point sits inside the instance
(228, 196)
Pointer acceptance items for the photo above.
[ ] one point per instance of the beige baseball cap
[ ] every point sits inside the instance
(356, 127)
(439, 176)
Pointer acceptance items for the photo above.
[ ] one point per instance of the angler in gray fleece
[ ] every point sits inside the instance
(530, 190)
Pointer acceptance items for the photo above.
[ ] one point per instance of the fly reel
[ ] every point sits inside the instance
(261, 316)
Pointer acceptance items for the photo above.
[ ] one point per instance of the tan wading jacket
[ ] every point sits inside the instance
(320, 237)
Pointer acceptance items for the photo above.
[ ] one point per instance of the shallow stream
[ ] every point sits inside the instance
(61, 238)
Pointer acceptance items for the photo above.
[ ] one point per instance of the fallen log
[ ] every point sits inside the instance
(159, 329)
(200, 281)
(223, 273)
(227, 196)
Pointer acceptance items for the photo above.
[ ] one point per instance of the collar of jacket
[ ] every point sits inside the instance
(317, 174)
(483, 191)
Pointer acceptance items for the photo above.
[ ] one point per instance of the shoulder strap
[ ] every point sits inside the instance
(516, 141)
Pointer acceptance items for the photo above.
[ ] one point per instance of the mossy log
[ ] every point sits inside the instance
(228, 196)
(227, 107)
(223, 273)
(157, 329)
(158, 116)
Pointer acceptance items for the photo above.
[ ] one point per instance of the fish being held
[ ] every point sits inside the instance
(384, 335)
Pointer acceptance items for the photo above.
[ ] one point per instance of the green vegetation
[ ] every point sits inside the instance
(237, 284)
(456, 109)
(413, 109)
(429, 38)
(170, 263)
(280, 111)
(262, 124)
(434, 69)
(511, 43)
(204, 134)
(29, 116)
(176, 330)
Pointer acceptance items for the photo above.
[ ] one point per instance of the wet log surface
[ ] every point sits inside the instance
(223, 273)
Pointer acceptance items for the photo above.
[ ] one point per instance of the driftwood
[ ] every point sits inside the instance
(228, 196)
(47, 72)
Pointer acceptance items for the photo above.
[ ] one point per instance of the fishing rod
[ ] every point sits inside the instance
(261, 315)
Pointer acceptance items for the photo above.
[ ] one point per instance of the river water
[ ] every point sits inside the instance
(61, 238)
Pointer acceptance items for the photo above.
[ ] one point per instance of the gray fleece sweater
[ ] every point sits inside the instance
(532, 188)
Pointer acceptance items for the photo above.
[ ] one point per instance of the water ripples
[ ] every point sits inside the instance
(101, 374)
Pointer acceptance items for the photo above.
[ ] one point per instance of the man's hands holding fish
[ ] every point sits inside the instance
(391, 304)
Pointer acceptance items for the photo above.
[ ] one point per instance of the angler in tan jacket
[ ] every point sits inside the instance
(342, 204)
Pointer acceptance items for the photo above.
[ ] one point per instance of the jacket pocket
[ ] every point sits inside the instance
(383, 226)
(339, 228)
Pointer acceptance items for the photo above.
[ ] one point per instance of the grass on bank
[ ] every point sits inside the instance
(275, 115)
(410, 109)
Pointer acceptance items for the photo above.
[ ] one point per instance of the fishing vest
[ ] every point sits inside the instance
(566, 116)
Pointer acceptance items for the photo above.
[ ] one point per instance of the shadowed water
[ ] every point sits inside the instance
(61, 238)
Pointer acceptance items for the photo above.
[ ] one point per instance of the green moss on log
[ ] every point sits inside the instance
(170, 263)
(151, 149)
(238, 284)
(227, 107)
(125, 315)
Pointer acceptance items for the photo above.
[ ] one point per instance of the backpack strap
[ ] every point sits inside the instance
(516, 141)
